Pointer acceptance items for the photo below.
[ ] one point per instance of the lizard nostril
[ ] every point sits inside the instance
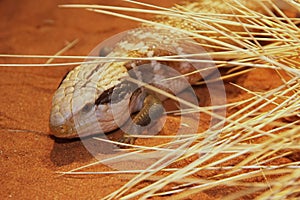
(62, 128)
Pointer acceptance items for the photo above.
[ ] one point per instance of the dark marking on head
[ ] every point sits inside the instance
(105, 97)
(123, 89)
(116, 93)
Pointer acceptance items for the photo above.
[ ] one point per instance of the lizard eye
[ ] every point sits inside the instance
(87, 107)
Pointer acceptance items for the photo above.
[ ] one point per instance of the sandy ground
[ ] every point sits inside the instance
(29, 161)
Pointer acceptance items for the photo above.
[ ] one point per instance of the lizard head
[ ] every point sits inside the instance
(72, 99)
(80, 102)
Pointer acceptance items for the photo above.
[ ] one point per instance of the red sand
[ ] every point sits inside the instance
(29, 161)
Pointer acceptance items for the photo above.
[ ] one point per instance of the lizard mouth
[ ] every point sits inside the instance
(63, 131)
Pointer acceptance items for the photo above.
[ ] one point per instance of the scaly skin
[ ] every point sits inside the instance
(82, 101)
(90, 92)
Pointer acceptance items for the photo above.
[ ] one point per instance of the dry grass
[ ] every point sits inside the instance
(263, 128)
